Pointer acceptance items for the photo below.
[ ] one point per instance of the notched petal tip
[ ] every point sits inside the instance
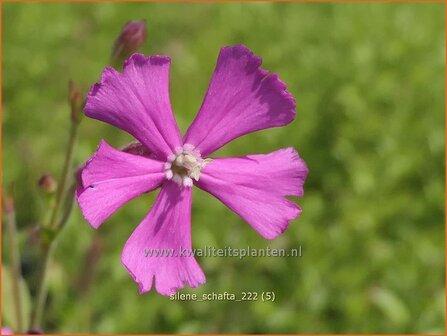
(109, 74)
(257, 187)
(242, 98)
(167, 291)
(142, 289)
(236, 52)
(276, 232)
(254, 62)
(277, 86)
(295, 156)
(96, 89)
(241, 50)
(166, 229)
(93, 91)
(302, 170)
(137, 101)
(192, 276)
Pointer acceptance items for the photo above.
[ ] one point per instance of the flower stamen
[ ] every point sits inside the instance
(185, 165)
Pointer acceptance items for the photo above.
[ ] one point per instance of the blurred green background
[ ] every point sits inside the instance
(369, 83)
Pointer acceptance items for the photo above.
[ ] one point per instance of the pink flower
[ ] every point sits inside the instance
(6, 331)
(241, 98)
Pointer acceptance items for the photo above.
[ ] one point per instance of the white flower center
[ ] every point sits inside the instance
(185, 165)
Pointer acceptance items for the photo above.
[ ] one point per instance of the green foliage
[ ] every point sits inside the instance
(369, 83)
(9, 312)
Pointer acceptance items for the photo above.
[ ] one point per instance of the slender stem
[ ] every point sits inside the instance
(61, 190)
(42, 286)
(16, 273)
(55, 226)
(68, 206)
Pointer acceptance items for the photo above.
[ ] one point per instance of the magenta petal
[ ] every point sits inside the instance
(6, 331)
(255, 187)
(137, 101)
(166, 229)
(241, 98)
(111, 178)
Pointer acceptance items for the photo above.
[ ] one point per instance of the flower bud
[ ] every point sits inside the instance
(76, 101)
(47, 184)
(129, 41)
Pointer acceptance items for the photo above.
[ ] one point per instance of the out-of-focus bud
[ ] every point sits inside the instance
(76, 101)
(129, 41)
(9, 201)
(47, 184)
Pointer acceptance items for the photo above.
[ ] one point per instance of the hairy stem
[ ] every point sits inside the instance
(15, 268)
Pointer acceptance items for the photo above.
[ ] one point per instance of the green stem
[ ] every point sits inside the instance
(42, 286)
(16, 273)
(68, 206)
(61, 190)
(55, 227)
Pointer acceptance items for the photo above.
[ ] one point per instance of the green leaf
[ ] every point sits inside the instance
(391, 305)
(8, 304)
